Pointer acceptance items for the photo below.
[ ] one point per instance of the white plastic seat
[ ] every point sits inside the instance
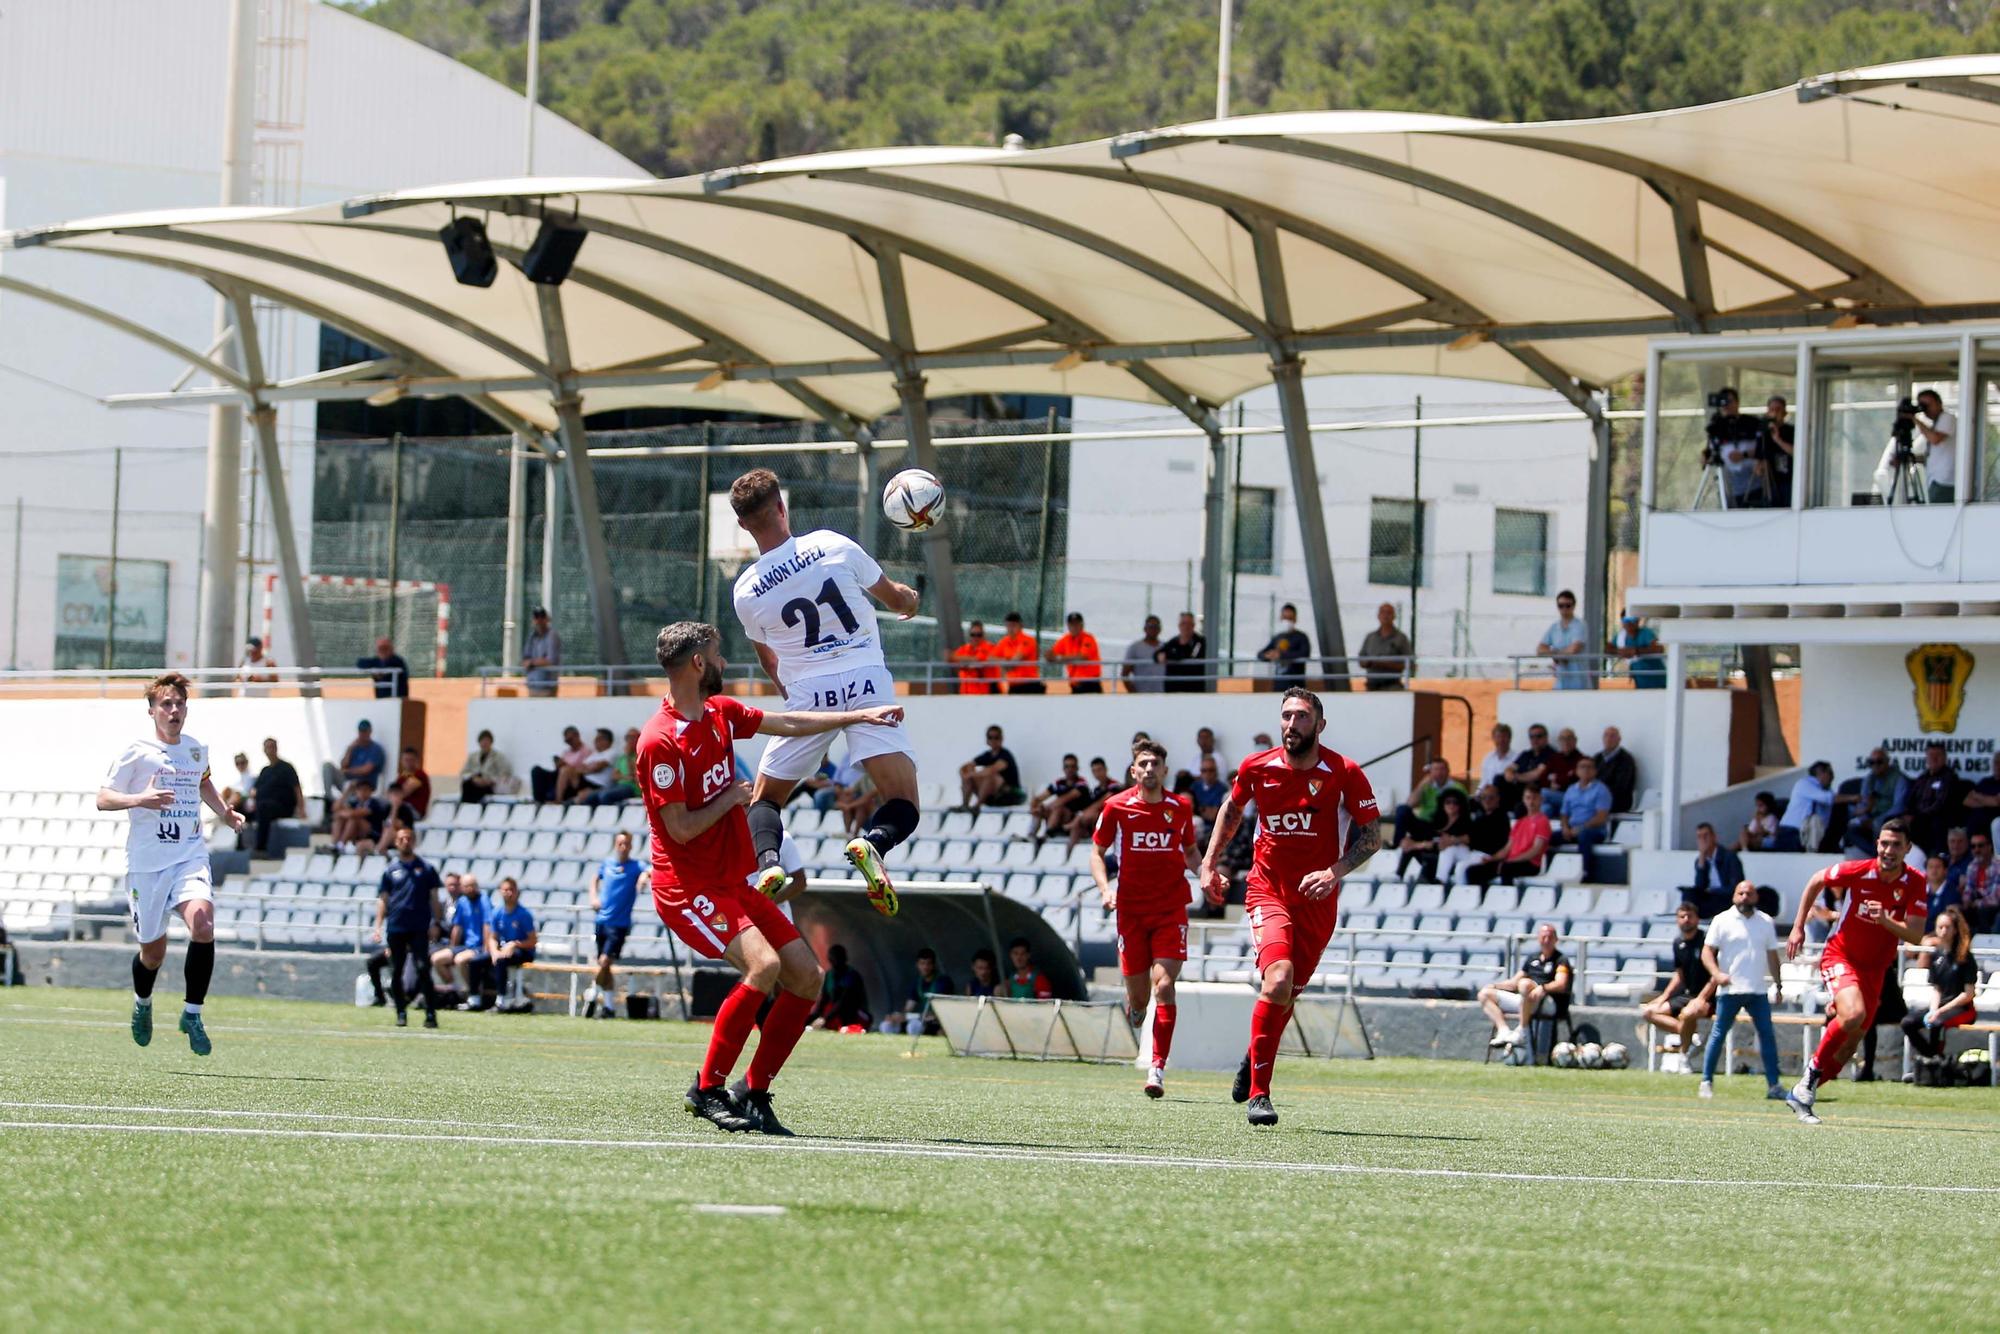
(1022, 885)
(1391, 897)
(1472, 924)
(988, 824)
(1585, 926)
(515, 843)
(1502, 899)
(1435, 921)
(1426, 898)
(1538, 901)
(1573, 901)
(1018, 855)
(1359, 895)
(1462, 899)
(1613, 903)
(988, 854)
(957, 824)
(576, 817)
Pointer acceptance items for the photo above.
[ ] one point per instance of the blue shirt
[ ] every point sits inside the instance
(470, 914)
(410, 887)
(1208, 794)
(515, 923)
(1583, 800)
(617, 886)
(367, 752)
(1571, 673)
(1649, 670)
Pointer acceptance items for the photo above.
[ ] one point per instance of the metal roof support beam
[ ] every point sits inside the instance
(1693, 251)
(1288, 378)
(264, 418)
(582, 483)
(1596, 533)
(201, 361)
(940, 573)
(1216, 498)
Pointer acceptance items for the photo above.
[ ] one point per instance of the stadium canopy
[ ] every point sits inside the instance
(1181, 266)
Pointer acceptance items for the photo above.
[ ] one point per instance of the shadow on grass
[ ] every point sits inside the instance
(1391, 1134)
(276, 1079)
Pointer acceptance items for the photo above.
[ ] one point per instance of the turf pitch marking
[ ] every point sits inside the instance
(945, 1152)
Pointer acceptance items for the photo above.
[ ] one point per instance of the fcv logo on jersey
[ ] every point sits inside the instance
(716, 778)
(1152, 840)
(1290, 822)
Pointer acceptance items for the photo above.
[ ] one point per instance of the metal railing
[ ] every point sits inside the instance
(217, 682)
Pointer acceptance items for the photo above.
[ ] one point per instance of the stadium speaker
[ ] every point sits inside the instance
(549, 259)
(471, 254)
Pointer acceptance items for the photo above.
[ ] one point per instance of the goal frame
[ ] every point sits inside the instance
(442, 590)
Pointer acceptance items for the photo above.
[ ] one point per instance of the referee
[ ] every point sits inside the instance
(405, 906)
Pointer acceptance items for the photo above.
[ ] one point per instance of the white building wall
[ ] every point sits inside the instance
(1135, 517)
(115, 105)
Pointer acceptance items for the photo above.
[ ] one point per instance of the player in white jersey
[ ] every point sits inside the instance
(163, 782)
(805, 605)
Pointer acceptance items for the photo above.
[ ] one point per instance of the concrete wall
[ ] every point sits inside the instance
(1641, 717)
(1859, 696)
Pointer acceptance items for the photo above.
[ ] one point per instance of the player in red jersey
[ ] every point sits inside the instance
(1316, 818)
(1152, 832)
(703, 863)
(1882, 902)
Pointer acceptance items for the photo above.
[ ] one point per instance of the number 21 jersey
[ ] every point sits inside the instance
(806, 600)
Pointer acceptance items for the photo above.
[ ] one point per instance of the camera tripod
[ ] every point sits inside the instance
(1906, 480)
(1712, 476)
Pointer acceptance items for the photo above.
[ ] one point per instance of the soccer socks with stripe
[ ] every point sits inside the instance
(782, 1029)
(142, 980)
(1267, 1025)
(767, 829)
(1825, 1065)
(200, 968)
(1163, 1032)
(893, 823)
(733, 1023)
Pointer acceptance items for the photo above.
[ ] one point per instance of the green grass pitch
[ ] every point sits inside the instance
(539, 1172)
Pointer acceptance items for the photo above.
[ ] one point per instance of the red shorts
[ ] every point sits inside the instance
(1149, 934)
(1836, 974)
(707, 920)
(1286, 926)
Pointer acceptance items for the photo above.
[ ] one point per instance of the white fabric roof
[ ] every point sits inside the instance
(1549, 252)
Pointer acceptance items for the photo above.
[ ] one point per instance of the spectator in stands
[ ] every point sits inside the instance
(1081, 662)
(1804, 823)
(1416, 819)
(1954, 976)
(856, 798)
(1018, 649)
(236, 794)
(990, 778)
(843, 999)
(1287, 651)
(258, 670)
(1144, 672)
(545, 782)
(1566, 642)
(1531, 767)
(406, 907)
(1025, 982)
(592, 776)
(1204, 749)
(1543, 977)
(1527, 846)
(1562, 764)
(1716, 871)
(363, 758)
(1639, 646)
(1982, 802)
(821, 787)
(1586, 815)
(486, 772)
(1760, 833)
(388, 815)
(1933, 802)
(1486, 838)
(1493, 766)
(463, 955)
(1940, 890)
(974, 679)
(510, 941)
(1979, 885)
(1103, 786)
(1742, 957)
(1053, 806)
(1207, 795)
(541, 654)
(1450, 838)
(985, 974)
(1883, 793)
(1184, 657)
(357, 817)
(1690, 993)
(275, 796)
(916, 1017)
(614, 887)
(621, 782)
(390, 672)
(416, 783)
(1385, 652)
(1617, 770)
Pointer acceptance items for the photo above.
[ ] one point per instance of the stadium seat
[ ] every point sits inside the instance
(1398, 923)
(1360, 921)
(988, 854)
(1391, 896)
(988, 824)
(1053, 856)
(1406, 969)
(1426, 898)
(1573, 901)
(1511, 924)
(1462, 899)
(957, 853)
(1444, 968)
(494, 814)
(1018, 824)
(609, 819)
(1502, 899)
(1538, 901)
(1369, 971)
(1566, 866)
(1585, 927)
(1633, 979)
(488, 842)
(1018, 855)
(1472, 924)
(924, 853)
(1613, 903)
(931, 822)
(1022, 886)
(1359, 895)
(957, 824)
(1439, 922)
(1625, 928)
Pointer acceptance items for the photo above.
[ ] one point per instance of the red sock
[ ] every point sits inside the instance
(1267, 1025)
(1824, 1059)
(733, 1023)
(782, 1028)
(1163, 1032)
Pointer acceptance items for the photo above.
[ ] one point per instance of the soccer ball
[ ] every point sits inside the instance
(913, 500)
(1564, 1055)
(1615, 1056)
(1590, 1056)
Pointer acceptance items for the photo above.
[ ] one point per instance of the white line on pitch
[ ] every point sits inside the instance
(743, 1210)
(269, 1115)
(904, 1149)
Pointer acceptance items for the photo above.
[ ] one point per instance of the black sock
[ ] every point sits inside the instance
(142, 978)
(767, 829)
(200, 967)
(894, 821)
(1812, 1077)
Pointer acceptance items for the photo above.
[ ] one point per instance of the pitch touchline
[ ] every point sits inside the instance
(270, 1115)
(895, 1149)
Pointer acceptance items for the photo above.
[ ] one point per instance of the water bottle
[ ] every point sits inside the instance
(364, 990)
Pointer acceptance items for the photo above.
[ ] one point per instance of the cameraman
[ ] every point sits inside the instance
(1774, 454)
(1941, 453)
(1734, 447)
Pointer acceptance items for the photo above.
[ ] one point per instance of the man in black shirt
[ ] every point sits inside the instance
(1544, 977)
(391, 673)
(1617, 770)
(1934, 799)
(1531, 767)
(1288, 649)
(405, 907)
(274, 795)
(1690, 994)
(1182, 656)
(990, 778)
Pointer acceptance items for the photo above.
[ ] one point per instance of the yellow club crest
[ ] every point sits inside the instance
(1939, 672)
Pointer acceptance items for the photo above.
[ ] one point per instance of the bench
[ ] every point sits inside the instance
(1809, 1026)
(578, 972)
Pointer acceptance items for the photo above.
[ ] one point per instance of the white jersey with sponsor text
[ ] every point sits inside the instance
(807, 601)
(160, 839)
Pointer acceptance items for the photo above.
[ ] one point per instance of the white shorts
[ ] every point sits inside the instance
(155, 894)
(797, 757)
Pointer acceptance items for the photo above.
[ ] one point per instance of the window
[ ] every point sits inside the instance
(1395, 530)
(1520, 552)
(1256, 524)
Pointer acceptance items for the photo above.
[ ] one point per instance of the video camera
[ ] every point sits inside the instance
(1726, 427)
(1904, 430)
